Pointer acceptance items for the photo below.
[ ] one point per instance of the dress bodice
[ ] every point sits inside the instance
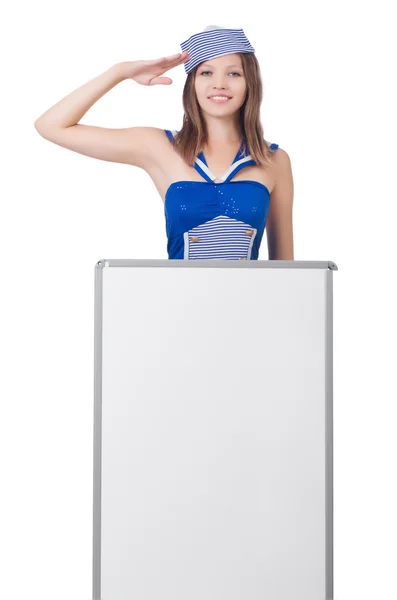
(208, 220)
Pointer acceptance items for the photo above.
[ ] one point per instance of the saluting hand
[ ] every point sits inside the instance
(149, 72)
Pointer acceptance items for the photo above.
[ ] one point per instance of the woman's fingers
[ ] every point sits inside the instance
(178, 56)
(175, 59)
(160, 81)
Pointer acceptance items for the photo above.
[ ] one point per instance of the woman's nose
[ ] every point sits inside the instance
(220, 85)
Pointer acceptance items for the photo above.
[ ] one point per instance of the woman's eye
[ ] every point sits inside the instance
(234, 72)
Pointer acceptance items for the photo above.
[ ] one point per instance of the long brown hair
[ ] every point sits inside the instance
(190, 140)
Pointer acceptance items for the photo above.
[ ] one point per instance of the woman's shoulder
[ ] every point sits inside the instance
(170, 134)
(272, 146)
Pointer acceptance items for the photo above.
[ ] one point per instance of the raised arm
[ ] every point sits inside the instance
(131, 145)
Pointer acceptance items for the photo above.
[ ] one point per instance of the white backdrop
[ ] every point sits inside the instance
(329, 101)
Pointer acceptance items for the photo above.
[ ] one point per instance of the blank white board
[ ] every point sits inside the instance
(213, 432)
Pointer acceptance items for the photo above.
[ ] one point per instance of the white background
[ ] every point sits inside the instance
(329, 101)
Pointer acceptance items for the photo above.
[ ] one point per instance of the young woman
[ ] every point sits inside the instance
(221, 182)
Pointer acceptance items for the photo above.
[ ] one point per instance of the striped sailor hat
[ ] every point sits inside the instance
(214, 41)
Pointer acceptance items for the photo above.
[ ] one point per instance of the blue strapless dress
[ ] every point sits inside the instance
(207, 220)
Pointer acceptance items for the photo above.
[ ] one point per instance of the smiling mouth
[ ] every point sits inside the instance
(219, 98)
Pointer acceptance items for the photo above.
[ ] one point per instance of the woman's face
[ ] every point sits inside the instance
(219, 77)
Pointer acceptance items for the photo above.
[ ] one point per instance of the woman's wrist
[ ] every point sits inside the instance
(119, 71)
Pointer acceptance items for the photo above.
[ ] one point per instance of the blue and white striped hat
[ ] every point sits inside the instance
(214, 41)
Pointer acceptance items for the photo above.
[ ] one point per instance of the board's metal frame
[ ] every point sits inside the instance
(261, 264)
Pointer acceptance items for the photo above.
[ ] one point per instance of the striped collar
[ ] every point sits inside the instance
(240, 161)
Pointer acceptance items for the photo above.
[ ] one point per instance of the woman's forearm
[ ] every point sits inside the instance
(73, 107)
